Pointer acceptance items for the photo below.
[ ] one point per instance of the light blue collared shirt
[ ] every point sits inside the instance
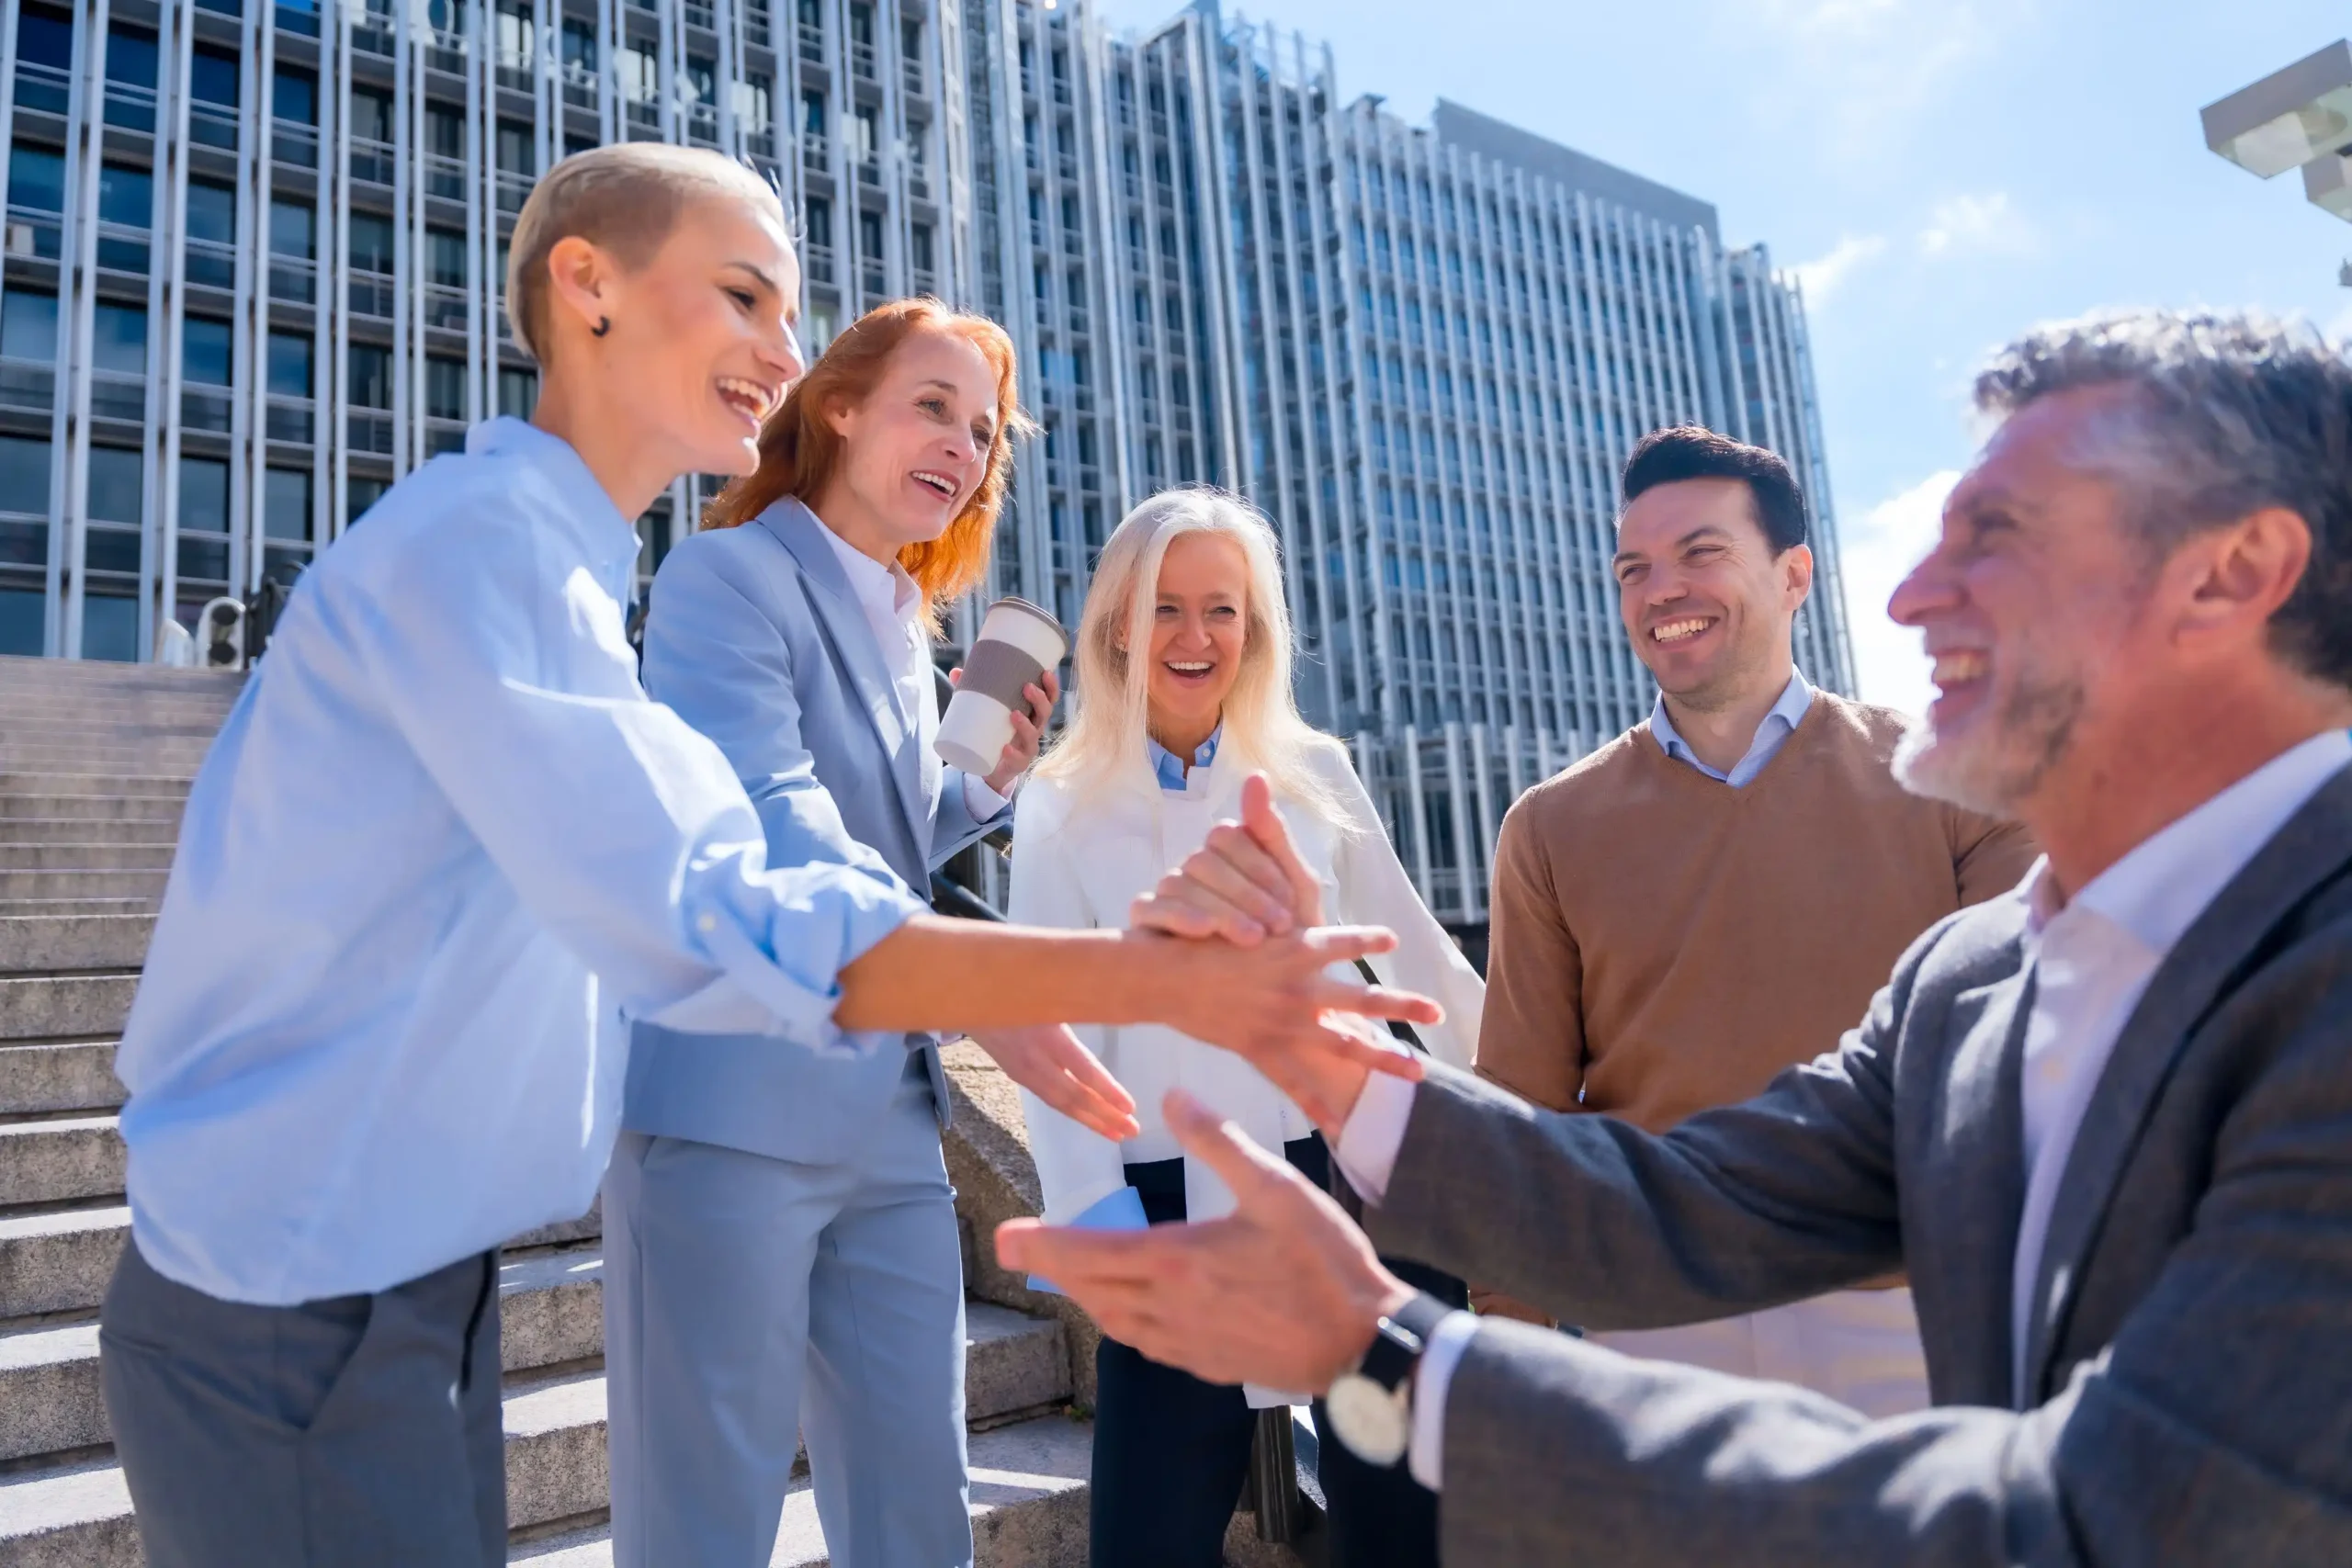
(1170, 771)
(1770, 734)
(443, 842)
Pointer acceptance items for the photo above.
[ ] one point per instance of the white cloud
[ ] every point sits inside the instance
(1877, 553)
(1822, 277)
(1989, 224)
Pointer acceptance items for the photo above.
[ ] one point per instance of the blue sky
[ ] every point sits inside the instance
(1943, 172)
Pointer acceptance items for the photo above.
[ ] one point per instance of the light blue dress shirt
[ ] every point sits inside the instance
(443, 842)
(1770, 734)
(1170, 771)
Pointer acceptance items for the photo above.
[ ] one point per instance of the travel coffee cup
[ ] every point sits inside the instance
(1018, 643)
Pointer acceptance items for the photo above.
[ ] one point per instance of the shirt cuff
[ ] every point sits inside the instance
(1430, 1379)
(982, 802)
(1372, 1134)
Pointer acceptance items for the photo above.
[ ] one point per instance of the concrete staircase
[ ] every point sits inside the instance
(95, 764)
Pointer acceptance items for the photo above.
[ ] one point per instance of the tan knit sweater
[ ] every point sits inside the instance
(1663, 942)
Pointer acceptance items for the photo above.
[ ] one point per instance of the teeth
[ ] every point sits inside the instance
(1675, 631)
(1951, 669)
(1184, 669)
(760, 397)
(940, 483)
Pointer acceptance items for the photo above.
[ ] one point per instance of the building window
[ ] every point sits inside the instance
(361, 494)
(371, 376)
(212, 77)
(29, 329)
(294, 96)
(518, 392)
(293, 230)
(36, 178)
(515, 154)
(812, 114)
(211, 213)
(580, 47)
(46, 37)
(371, 243)
(203, 495)
(445, 388)
(290, 366)
(820, 221)
(869, 235)
(116, 478)
(126, 195)
(24, 474)
(372, 115)
(119, 339)
(285, 503)
(110, 627)
(445, 257)
(205, 351)
(919, 239)
(445, 133)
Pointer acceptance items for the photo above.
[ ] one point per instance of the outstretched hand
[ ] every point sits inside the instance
(1283, 1292)
(1050, 1061)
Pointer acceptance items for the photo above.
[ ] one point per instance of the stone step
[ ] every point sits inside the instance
(35, 943)
(81, 884)
(25, 830)
(77, 856)
(43, 782)
(60, 908)
(551, 1306)
(59, 1259)
(79, 1514)
(55, 1006)
(105, 807)
(1028, 1507)
(35, 673)
(56, 1075)
(151, 760)
(60, 1159)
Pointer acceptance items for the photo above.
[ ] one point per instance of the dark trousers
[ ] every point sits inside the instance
(353, 1432)
(1170, 1451)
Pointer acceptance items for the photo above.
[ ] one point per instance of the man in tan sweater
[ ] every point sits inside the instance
(1712, 895)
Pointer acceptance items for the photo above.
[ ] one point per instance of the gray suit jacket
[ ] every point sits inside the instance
(2189, 1368)
(757, 639)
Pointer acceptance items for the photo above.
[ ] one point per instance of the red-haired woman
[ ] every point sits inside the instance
(780, 1235)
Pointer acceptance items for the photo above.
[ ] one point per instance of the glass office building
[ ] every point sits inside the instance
(255, 255)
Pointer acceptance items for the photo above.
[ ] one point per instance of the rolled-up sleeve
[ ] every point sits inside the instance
(622, 829)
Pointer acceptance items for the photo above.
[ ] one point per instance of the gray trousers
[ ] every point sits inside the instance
(353, 1432)
(747, 1297)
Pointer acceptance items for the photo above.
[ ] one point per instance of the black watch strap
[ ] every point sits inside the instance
(1403, 1335)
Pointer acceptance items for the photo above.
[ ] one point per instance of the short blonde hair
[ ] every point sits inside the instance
(1262, 726)
(624, 198)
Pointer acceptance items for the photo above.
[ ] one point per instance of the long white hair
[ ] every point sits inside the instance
(1263, 728)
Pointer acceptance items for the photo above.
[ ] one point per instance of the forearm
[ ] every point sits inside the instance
(938, 973)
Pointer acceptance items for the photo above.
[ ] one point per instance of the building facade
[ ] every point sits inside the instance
(255, 255)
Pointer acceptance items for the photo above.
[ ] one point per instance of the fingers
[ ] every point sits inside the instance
(1376, 1002)
(1243, 1167)
(1242, 877)
(1271, 835)
(1185, 908)
(1051, 1062)
(1052, 684)
(1075, 1257)
(1379, 1053)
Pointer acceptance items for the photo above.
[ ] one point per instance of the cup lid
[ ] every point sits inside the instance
(1011, 602)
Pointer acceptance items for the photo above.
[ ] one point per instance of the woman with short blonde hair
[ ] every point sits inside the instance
(1183, 678)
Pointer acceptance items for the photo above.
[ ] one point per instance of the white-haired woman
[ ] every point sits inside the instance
(1183, 679)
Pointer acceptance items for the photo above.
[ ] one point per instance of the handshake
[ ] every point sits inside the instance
(1234, 955)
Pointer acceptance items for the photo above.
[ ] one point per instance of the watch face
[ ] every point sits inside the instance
(1369, 1420)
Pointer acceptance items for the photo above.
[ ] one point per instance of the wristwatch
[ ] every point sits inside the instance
(1371, 1408)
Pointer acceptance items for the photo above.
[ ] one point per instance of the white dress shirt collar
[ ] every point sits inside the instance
(2160, 887)
(1779, 723)
(890, 598)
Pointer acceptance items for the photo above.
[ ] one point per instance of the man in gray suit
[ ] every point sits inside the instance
(2104, 1123)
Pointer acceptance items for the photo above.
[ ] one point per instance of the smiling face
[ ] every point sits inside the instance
(1199, 630)
(701, 343)
(915, 448)
(2032, 603)
(1708, 606)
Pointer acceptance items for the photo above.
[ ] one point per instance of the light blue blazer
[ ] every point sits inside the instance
(757, 638)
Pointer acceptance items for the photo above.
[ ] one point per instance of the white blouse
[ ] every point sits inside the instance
(1081, 862)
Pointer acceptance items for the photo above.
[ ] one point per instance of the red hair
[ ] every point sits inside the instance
(799, 449)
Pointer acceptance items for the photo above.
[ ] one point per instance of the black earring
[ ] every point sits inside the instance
(604, 325)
